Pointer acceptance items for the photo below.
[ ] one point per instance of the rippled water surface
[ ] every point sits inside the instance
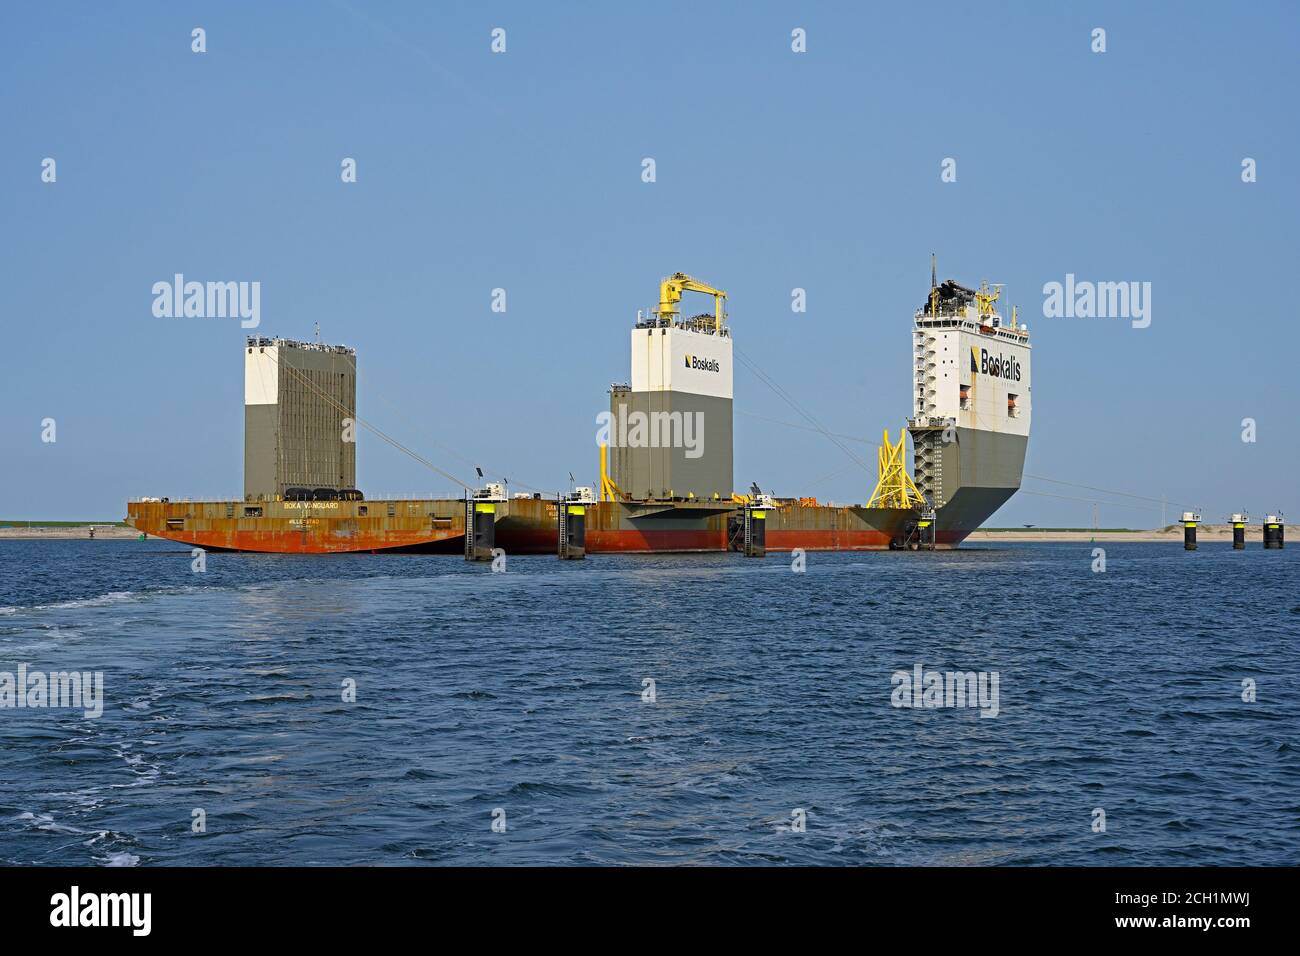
(523, 691)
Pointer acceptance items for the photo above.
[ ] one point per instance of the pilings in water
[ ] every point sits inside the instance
(755, 541)
(1190, 520)
(1273, 528)
(1239, 522)
(925, 530)
(480, 528)
(571, 515)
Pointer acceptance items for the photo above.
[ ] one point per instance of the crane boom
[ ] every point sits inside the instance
(670, 293)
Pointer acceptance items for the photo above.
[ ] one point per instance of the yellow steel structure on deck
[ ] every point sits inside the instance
(670, 293)
(608, 490)
(985, 297)
(894, 488)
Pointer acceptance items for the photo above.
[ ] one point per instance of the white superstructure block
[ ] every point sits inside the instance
(681, 360)
(261, 375)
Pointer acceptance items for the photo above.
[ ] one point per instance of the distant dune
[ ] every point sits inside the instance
(53, 530)
(1172, 533)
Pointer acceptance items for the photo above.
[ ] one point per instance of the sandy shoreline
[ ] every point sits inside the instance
(102, 531)
(1206, 532)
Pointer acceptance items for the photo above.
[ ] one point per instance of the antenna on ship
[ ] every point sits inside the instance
(318, 333)
(934, 286)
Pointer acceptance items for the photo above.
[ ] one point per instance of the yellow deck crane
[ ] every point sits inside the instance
(984, 299)
(670, 293)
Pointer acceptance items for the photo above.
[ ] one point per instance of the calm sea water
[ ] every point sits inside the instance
(522, 691)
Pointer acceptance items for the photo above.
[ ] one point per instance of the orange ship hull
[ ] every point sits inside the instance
(530, 526)
(522, 526)
(824, 540)
(291, 527)
(274, 542)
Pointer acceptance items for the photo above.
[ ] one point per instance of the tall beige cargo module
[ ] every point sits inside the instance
(300, 406)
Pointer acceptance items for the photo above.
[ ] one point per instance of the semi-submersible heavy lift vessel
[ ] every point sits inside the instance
(666, 472)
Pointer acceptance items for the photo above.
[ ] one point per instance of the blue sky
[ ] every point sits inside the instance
(521, 170)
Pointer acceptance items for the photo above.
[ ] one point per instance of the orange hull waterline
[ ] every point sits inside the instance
(273, 542)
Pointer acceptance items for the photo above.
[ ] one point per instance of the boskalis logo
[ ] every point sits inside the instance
(999, 366)
(703, 365)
